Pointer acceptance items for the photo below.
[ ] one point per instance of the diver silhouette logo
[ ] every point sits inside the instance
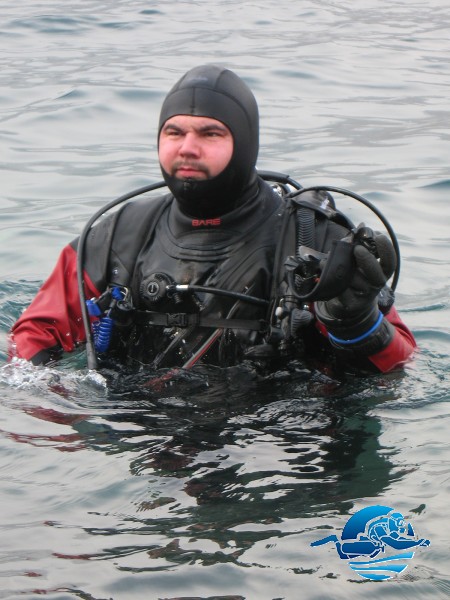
(368, 533)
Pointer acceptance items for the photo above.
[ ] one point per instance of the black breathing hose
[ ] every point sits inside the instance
(220, 292)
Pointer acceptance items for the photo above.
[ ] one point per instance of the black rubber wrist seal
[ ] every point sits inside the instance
(365, 335)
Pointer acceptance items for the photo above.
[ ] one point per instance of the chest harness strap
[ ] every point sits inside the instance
(194, 319)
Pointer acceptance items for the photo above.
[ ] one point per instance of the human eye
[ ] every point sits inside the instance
(214, 133)
(172, 132)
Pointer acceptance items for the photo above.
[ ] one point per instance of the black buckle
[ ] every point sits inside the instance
(177, 319)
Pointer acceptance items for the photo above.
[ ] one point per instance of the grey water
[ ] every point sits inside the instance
(213, 484)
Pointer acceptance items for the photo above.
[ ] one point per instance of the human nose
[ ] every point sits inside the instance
(190, 145)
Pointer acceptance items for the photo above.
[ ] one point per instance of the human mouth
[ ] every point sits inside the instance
(190, 172)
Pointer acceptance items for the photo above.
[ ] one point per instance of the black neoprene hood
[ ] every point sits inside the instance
(218, 93)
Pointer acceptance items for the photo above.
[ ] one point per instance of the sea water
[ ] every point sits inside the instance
(213, 484)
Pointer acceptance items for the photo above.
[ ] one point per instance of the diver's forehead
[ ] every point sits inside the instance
(195, 122)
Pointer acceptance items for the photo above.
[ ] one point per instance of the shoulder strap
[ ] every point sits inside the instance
(137, 223)
(114, 243)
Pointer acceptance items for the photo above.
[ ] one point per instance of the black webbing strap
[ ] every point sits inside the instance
(188, 319)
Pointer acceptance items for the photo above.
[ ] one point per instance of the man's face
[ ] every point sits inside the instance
(194, 147)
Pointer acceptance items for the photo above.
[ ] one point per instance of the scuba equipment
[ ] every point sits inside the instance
(310, 265)
(309, 274)
(316, 276)
(91, 356)
(158, 285)
(226, 322)
(113, 306)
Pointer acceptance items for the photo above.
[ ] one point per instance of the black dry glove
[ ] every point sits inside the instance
(353, 319)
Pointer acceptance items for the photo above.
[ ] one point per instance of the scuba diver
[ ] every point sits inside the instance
(231, 265)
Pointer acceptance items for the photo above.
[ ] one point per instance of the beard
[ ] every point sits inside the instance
(202, 170)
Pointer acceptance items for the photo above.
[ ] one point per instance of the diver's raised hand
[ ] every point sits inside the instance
(354, 314)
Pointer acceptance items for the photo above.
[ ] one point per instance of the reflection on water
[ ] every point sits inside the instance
(229, 458)
(158, 473)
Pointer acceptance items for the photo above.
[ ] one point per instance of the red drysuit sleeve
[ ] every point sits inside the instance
(53, 319)
(399, 349)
